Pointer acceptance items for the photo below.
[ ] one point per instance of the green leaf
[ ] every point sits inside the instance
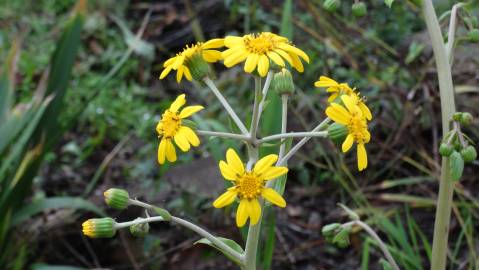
(388, 2)
(54, 267)
(163, 213)
(232, 244)
(53, 203)
(456, 165)
(286, 29)
(415, 50)
(352, 215)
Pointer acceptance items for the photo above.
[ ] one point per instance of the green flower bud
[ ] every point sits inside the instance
(445, 149)
(456, 116)
(469, 153)
(473, 35)
(331, 5)
(116, 198)
(337, 132)
(330, 229)
(140, 230)
(198, 67)
(342, 238)
(283, 82)
(99, 228)
(359, 9)
(466, 119)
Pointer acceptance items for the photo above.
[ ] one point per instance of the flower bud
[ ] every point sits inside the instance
(445, 149)
(337, 132)
(329, 230)
(342, 238)
(465, 119)
(140, 230)
(359, 9)
(469, 153)
(283, 82)
(116, 198)
(198, 67)
(473, 35)
(99, 228)
(331, 5)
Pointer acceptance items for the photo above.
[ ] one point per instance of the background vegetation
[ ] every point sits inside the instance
(67, 138)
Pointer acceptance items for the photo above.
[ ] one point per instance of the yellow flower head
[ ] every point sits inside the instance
(182, 61)
(249, 186)
(336, 89)
(258, 49)
(352, 117)
(99, 228)
(170, 128)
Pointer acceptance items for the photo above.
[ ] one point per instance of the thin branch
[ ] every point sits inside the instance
(294, 135)
(452, 32)
(223, 135)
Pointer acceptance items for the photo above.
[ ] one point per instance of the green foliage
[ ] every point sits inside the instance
(231, 243)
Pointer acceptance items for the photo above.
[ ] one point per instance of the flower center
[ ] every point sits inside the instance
(358, 127)
(171, 122)
(259, 44)
(190, 50)
(249, 186)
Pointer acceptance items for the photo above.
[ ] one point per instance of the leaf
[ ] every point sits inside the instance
(386, 265)
(388, 3)
(53, 203)
(7, 78)
(286, 29)
(232, 244)
(415, 50)
(352, 215)
(456, 165)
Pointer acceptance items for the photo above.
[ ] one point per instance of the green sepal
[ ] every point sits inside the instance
(163, 213)
(456, 165)
(189, 123)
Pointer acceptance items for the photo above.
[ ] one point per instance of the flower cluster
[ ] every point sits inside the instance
(348, 108)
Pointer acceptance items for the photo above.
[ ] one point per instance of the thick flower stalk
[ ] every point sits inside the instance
(258, 49)
(351, 116)
(191, 57)
(171, 128)
(249, 186)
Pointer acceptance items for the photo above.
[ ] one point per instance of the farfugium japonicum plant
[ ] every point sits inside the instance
(270, 60)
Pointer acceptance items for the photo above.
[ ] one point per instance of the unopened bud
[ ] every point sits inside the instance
(116, 198)
(469, 153)
(140, 230)
(473, 35)
(359, 9)
(342, 238)
(283, 82)
(445, 149)
(329, 231)
(337, 132)
(99, 228)
(331, 5)
(466, 119)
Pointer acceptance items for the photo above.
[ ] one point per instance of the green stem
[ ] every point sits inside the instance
(448, 107)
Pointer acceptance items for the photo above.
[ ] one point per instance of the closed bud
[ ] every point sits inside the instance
(469, 153)
(473, 35)
(140, 230)
(331, 5)
(445, 149)
(456, 116)
(283, 82)
(466, 119)
(342, 238)
(359, 9)
(198, 67)
(116, 198)
(99, 228)
(329, 231)
(337, 132)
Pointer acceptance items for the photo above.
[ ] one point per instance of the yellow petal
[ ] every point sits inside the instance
(238, 57)
(178, 103)
(254, 211)
(333, 97)
(227, 172)
(272, 196)
(182, 142)
(350, 104)
(348, 142)
(362, 157)
(365, 110)
(225, 199)
(190, 135)
(180, 59)
(293, 50)
(234, 162)
(264, 163)
(228, 52)
(285, 55)
(162, 151)
(213, 43)
(242, 213)
(190, 110)
(276, 58)
(325, 82)
(233, 41)
(159, 128)
(274, 172)
(338, 114)
(251, 63)
(170, 151)
(169, 61)
(211, 55)
(165, 72)
(187, 73)
(179, 73)
(297, 64)
(263, 65)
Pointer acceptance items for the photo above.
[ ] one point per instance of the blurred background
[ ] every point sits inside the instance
(80, 98)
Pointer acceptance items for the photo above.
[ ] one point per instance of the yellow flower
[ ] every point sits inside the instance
(336, 89)
(258, 49)
(99, 228)
(249, 186)
(182, 61)
(170, 128)
(352, 117)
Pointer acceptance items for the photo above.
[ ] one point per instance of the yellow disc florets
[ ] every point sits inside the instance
(170, 124)
(249, 186)
(259, 43)
(190, 50)
(358, 127)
